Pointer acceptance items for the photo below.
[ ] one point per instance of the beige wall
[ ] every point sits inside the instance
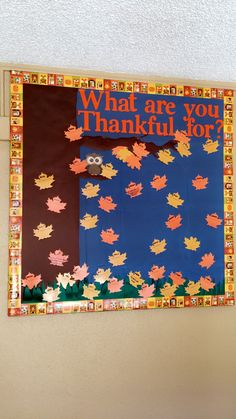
(167, 364)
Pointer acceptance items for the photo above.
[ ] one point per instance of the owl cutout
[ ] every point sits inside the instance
(94, 162)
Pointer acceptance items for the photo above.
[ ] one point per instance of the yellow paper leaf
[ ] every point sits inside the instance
(108, 171)
(158, 246)
(51, 294)
(43, 181)
(165, 156)
(174, 200)
(192, 243)
(117, 258)
(193, 287)
(90, 190)
(211, 146)
(135, 279)
(102, 275)
(122, 153)
(43, 232)
(183, 149)
(89, 221)
(168, 290)
(90, 291)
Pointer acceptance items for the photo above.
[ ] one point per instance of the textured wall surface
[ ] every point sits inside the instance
(185, 38)
(165, 364)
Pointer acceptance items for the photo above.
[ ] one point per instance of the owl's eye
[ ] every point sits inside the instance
(98, 160)
(90, 160)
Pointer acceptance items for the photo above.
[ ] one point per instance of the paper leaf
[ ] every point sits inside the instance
(133, 162)
(207, 260)
(121, 153)
(106, 204)
(108, 236)
(168, 290)
(211, 146)
(140, 150)
(159, 182)
(90, 291)
(156, 272)
(114, 285)
(174, 200)
(55, 204)
(58, 258)
(213, 220)
(199, 182)
(80, 272)
(165, 156)
(31, 280)
(43, 232)
(65, 279)
(89, 221)
(78, 166)
(135, 279)
(117, 258)
(90, 190)
(126, 156)
(174, 222)
(158, 246)
(73, 133)
(177, 278)
(134, 189)
(193, 287)
(181, 137)
(108, 171)
(43, 181)
(191, 243)
(147, 291)
(51, 294)
(102, 275)
(183, 149)
(206, 283)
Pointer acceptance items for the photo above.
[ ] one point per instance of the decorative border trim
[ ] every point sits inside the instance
(17, 80)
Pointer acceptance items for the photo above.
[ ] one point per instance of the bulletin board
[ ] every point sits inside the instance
(121, 195)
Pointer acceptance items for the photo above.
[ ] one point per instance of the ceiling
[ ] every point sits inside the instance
(169, 38)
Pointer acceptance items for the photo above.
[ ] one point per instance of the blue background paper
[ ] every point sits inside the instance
(140, 220)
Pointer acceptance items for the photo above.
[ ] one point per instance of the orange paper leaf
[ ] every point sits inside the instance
(147, 291)
(31, 280)
(55, 204)
(213, 220)
(174, 222)
(177, 278)
(157, 272)
(159, 182)
(108, 236)
(199, 182)
(78, 166)
(106, 203)
(134, 189)
(181, 137)
(73, 133)
(140, 150)
(207, 260)
(58, 258)
(114, 285)
(133, 162)
(206, 283)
